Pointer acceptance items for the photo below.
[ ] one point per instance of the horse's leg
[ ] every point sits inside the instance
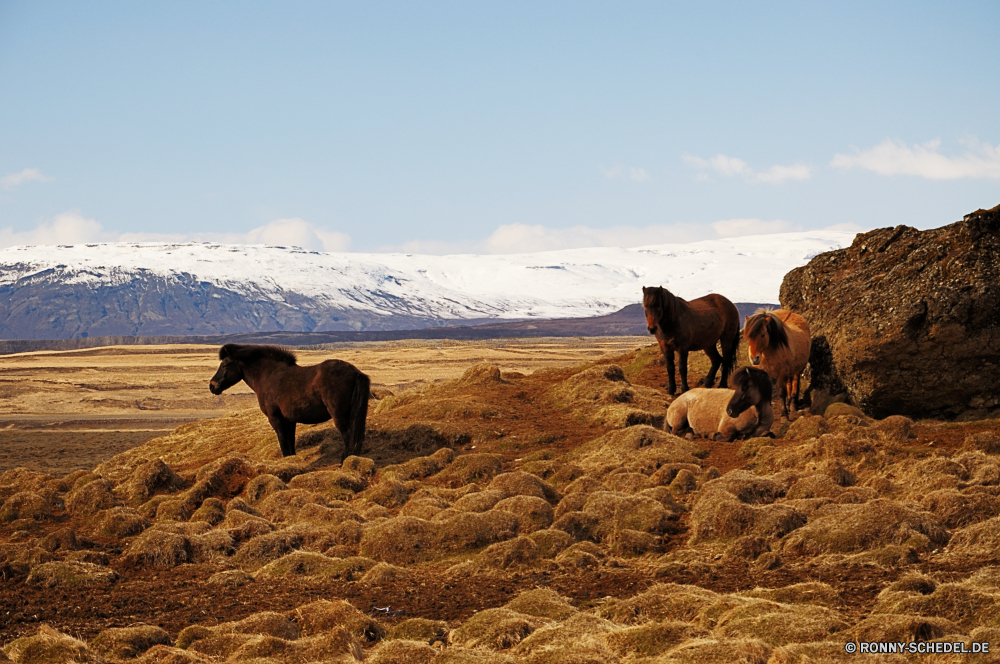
(716, 359)
(286, 433)
(683, 368)
(668, 355)
(784, 398)
(795, 392)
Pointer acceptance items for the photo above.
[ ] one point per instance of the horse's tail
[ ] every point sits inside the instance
(359, 415)
(730, 359)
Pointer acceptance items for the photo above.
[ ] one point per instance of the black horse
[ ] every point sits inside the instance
(288, 393)
(696, 325)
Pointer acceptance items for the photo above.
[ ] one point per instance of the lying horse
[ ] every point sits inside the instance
(696, 325)
(288, 393)
(725, 414)
(778, 342)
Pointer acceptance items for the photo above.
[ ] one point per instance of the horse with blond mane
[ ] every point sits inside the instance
(778, 342)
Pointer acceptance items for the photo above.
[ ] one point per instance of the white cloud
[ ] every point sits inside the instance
(524, 238)
(633, 173)
(300, 233)
(733, 166)
(981, 160)
(27, 175)
(72, 228)
(66, 228)
(781, 173)
(742, 227)
(720, 163)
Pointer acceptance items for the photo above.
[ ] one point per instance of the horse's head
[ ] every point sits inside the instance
(750, 388)
(755, 331)
(230, 372)
(655, 302)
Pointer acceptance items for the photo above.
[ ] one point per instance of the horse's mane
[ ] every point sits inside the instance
(758, 377)
(776, 333)
(254, 353)
(666, 300)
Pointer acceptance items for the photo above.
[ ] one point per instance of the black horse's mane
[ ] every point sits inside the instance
(255, 353)
(759, 379)
(777, 335)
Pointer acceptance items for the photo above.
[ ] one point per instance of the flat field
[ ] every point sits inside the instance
(62, 411)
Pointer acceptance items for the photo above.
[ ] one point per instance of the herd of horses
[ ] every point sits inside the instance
(778, 348)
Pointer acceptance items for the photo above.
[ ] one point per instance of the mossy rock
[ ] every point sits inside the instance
(753, 445)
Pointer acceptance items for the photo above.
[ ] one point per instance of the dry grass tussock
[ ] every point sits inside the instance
(595, 542)
(604, 395)
(49, 646)
(129, 642)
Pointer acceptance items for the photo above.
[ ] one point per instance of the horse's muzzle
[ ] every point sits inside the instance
(213, 387)
(652, 330)
(755, 360)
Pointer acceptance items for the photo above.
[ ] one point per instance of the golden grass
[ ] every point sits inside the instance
(842, 497)
(25, 505)
(420, 629)
(496, 629)
(57, 573)
(323, 615)
(532, 512)
(129, 642)
(399, 651)
(49, 646)
(158, 548)
(262, 549)
(876, 523)
(542, 603)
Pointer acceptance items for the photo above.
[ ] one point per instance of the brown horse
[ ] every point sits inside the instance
(288, 393)
(778, 342)
(743, 412)
(696, 325)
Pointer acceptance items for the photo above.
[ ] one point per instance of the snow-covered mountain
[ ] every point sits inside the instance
(53, 292)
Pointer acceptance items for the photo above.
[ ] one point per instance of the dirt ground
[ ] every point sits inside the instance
(62, 411)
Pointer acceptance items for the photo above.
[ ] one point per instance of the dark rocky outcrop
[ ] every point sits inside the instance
(907, 322)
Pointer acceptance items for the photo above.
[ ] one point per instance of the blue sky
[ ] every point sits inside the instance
(491, 127)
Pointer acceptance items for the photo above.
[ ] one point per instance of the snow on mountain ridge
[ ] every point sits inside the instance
(553, 284)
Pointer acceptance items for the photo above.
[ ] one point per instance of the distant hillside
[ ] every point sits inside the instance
(628, 321)
(170, 290)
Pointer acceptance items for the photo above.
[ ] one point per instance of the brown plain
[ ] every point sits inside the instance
(66, 410)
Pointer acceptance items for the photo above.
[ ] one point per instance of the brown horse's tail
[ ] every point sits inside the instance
(730, 359)
(359, 415)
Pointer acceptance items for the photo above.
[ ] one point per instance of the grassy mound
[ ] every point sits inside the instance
(520, 523)
(49, 646)
(129, 642)
(58, 573)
